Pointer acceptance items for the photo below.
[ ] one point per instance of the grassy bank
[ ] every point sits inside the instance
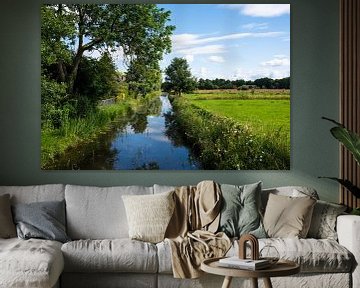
(261, 116)
(222, 141)
(74, 132)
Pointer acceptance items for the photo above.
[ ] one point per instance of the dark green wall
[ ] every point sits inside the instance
(314, 76)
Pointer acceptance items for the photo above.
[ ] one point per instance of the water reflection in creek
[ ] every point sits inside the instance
(152, 148)
(143, 141)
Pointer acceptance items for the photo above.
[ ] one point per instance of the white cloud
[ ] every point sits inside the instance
(180, 41)
(253, 74)
(195, 44)
(189, 58)
(260, 10)
(278, 60)
(216, 59)
(255, 26)
(202, 72)
(207, 49)
(280, 56)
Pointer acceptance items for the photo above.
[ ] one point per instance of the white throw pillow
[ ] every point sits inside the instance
(149, 215)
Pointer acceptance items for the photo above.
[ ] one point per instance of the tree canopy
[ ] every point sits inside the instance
(71, 32)
(139, 30)
(178, 77)
(266, 83)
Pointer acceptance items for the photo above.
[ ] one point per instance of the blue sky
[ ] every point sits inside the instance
(231, 41)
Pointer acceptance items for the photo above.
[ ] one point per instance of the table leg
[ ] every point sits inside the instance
(254, 282)
(227, 282)
(267, 283)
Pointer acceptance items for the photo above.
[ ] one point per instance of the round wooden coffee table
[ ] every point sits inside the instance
(281, 268)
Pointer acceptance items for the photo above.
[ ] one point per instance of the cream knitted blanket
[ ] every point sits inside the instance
(191, 231)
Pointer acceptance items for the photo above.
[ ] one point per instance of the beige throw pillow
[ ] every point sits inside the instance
(7, 226)
(288, 217)
(149, 215)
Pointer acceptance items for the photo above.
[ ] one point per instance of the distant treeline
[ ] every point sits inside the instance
(241, 84)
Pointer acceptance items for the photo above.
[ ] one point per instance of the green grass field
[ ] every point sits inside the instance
(269, 111)
(233, 129)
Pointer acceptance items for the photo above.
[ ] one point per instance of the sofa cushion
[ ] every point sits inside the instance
(287, 216)
(7, 226)
(98, 213)
(30, 263)
(149, 215)
(313, 255)
(163, 188)
(35, 193)
(164, 257)
(116, 255)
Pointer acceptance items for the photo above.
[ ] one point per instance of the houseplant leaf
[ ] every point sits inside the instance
(348, 138)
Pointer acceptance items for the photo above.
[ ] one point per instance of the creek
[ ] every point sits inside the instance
(144, 140)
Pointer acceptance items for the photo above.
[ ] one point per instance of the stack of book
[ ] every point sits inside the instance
(248, 264)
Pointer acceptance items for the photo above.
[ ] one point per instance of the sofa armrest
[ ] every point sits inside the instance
(348, 230)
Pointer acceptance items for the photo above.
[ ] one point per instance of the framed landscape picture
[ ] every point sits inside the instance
(165, 86)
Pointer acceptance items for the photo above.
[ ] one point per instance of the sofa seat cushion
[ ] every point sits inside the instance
(313, 255)
(30, 263)
(110, 255)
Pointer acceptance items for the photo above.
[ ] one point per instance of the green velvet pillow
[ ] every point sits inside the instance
(240, 213)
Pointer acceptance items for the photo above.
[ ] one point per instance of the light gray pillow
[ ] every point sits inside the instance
(240, 213)
(7, 226)
(323, 222)
(44, 220)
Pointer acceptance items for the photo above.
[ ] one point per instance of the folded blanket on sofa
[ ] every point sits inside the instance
(191, 231)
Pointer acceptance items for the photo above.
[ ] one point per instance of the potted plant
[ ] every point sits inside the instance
(351, 141)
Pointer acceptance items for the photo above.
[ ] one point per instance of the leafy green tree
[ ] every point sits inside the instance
(57, 33)
(139, 29)
(142, 77)
(283, 83)
(178, 77)
(97, 78)
(266, 82)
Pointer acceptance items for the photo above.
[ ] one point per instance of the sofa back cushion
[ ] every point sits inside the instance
(35, 193)
(98, 212)
(163, 188)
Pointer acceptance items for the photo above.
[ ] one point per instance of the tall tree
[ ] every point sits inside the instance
(143, 77)
(139, 30)
(178, 77)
